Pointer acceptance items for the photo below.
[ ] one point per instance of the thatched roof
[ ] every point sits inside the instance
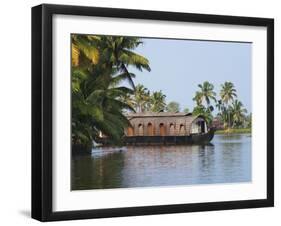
(166, 118)
(157, 114)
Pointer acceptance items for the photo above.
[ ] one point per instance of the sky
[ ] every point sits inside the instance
(178, 66)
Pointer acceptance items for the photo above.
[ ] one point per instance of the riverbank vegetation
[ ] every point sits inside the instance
(99, 65)
(234, 131)
(231, 113)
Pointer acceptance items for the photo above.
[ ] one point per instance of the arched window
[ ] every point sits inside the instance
(199, 126)
(162, 129)
(140, 129)
(130, 131)
(182, 130)
(172, 129)
(150, 129)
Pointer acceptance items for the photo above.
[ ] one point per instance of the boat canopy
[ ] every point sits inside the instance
(165, 124)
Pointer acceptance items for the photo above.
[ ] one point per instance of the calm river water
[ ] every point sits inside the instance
(228, 160)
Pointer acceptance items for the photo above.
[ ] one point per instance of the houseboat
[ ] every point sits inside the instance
(165, 128)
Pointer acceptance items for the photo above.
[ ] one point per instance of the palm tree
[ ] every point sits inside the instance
(141, 98)
(248, 120)
(206, 94)
(207, 90)
(198, 98)
(128, 99)
(99, 64)
(157, 101)
(97, 107)
(84, 50)
(118, 52)
(219, 105)
(203, 111)
(227, 93)
(238, 112)
(111, 51)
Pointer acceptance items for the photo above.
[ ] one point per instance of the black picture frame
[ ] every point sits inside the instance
(42, 111)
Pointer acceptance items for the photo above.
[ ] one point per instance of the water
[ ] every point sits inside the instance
(227, 160)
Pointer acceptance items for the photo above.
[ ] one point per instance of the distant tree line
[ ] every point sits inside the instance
(230, 109)
(143, 100)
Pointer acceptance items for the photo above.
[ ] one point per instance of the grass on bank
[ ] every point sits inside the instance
(231, 131)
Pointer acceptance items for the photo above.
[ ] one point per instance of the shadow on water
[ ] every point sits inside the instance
(226, 159)
(97, 171)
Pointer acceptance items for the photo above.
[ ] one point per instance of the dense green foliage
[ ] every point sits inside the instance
(173, 106)
(230, 110)
(144, 101)
(204, 98)
(157, 101)
(99, 64)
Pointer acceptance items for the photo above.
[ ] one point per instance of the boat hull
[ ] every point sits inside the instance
(165, 140)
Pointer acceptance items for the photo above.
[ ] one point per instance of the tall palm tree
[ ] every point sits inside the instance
(219, 105)
(198, 98)
(205, 94)
(84, 50)
(115, 51)
(96, 107)
(118, 51)
(141, 98)
(227, 94)
(157, 101)
(128, 99)
(238, 112)
(99, 64)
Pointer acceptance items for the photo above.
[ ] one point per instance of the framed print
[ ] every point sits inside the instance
(146, 112)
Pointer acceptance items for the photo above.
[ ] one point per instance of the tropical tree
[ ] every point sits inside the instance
(84, 50)
(96, 107)
(198, 98)
(141, 98)
(129, 100)
(203, 111)
(118, 51)
(248, 120)
(238, 113)
(223, 115)
(99, 64)
(220, 105)
(173, 106)
(227, 94)
(222, 112)
(205, 94)
(186, 110)
(157, 101)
